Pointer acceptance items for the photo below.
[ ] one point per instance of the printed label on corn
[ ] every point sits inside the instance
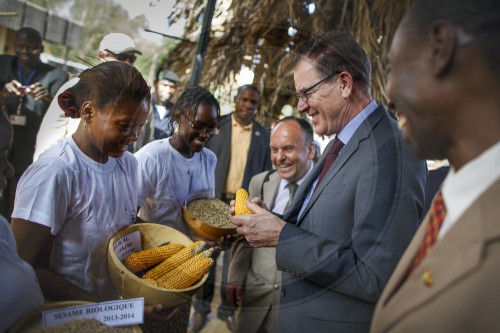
(127, 245)
(113, 313)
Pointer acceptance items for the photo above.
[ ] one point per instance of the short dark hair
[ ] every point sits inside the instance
(305, 126)
(111, 82)
(333, 52)
(250, 86)
(31, 34)
(188, 103)
(478, 18)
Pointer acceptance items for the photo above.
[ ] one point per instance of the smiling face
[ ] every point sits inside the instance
(291, 155)
(193, 133)
(110, 130)
(417, 97)
(27, 50)
(325, 103)
(246, 103)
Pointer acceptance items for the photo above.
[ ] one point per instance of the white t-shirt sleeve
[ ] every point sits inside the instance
(44, 193)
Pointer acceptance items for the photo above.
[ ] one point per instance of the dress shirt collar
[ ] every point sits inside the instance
(348, 131)
(242, 128)
(463, 187)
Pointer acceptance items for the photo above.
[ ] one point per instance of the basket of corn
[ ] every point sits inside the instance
(166, 268)
(32, 322)
(209, 219)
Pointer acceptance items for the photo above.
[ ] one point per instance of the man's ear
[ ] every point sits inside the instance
(345, 83)
(443, 43)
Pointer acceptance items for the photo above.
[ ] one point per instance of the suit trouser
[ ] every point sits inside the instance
(204, 296)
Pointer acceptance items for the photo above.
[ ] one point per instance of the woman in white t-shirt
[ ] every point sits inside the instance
(71, 201)
(176, 169)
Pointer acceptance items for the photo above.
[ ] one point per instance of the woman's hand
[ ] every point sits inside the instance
(158, 313)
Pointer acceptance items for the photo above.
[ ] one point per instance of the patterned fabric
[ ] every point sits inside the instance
(436, 218)
(292, 187)
(330, 158)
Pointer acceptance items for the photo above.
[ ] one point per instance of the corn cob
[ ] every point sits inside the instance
(239, 206)
(143, 259)
(186, 266)
(177, 259)
(151, 281)
(188, 273)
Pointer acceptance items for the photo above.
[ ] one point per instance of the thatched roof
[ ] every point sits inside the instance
(255, 34)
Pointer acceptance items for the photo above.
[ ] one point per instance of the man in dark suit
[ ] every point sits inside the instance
(242, 149)
(444, 83)
(354, 215)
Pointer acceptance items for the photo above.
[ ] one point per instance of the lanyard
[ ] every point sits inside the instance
(20, 75)
(31, 75)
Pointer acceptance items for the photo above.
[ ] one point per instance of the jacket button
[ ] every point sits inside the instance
(283, 292)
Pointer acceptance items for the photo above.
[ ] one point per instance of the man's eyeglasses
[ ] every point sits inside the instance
(199, 128)
(123, 57)
(306, 93)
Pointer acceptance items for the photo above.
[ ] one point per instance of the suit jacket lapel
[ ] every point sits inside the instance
(460, 249)
(350, 148)
(270, 189)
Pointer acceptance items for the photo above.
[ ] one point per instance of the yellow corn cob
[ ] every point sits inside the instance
(239, 206)
(174, 273)
(151, 281)
(188, 273)
(177, 259)
(143, 259)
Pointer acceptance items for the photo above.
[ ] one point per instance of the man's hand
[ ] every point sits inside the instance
(234, 292)
(261, 229)
(40, 92)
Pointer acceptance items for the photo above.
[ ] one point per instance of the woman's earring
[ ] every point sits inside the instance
(84, 126)
(176, 130)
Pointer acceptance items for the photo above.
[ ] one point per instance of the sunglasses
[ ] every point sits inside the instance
(123, 57)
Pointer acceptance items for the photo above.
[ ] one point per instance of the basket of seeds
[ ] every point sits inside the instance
(209, 219)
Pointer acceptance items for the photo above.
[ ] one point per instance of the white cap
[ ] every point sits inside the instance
(116, 42)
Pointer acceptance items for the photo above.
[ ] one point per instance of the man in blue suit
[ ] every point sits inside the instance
(353, 216)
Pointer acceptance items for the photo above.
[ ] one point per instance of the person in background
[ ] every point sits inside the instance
(172, 171)
(352, 218)
(242, 150)
(79, 193)
(158, 125)
(253, 279)
(19, 286)
(443, 82)
(55, 125)
(27, 88)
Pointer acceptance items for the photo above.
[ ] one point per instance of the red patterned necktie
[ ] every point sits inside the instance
(333, 153)
(436, 218)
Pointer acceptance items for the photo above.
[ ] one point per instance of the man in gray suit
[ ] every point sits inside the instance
(354, 215)
(253, 279)
(444, 83)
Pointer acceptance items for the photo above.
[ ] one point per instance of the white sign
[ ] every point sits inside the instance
(113, 313)
(127, 245)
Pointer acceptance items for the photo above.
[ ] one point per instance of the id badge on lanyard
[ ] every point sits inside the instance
(18, 119)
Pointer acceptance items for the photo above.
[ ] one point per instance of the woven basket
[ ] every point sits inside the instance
(130, 285)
